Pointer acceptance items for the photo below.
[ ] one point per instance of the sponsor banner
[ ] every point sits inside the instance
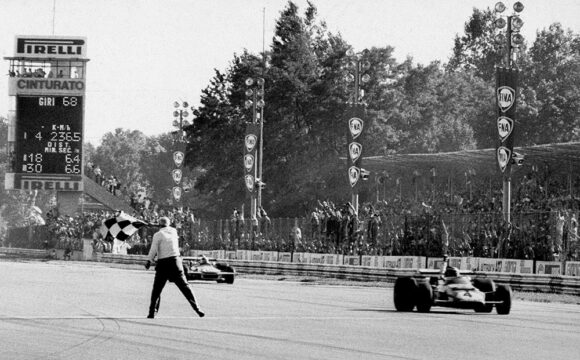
(46, 86)
(269, 256)
(572, 268)
(504, 156)
(317, 259)
(212, 254)
(230, 255)
(437, 263)
(250, 152)
(176, 174)
(549, 267)
(372, 261)
(56, 182)
(301, 258)
(488, 265)
(404, 262)
(285, 257)
(355, 144)
(325, 259)
(178, 157)
(517, 266)
(176, 191)
(50, 47)
(350, 260)
(242, 255)
(506, 100)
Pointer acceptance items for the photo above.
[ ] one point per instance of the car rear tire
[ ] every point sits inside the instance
(503, 294)
(404, 293)
(424, 297)
(488, 287)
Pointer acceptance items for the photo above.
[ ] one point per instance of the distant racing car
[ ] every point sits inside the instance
(453, 289)
(202, 268)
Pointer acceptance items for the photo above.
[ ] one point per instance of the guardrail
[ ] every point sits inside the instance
(525, 282)
(33, 253)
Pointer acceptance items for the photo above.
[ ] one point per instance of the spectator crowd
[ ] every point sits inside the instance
(544, 226)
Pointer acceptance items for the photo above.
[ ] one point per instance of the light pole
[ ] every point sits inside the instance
(358, 64)
(180, 120)
(506, 95)
(255, 100)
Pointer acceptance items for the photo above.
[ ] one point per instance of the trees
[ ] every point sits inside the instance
(548, 104)
(477, 50)
(552, 86)
(120, 155)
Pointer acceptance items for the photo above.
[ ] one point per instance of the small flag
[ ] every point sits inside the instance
(122, 226)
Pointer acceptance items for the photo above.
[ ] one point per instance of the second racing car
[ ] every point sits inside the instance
(202, 268)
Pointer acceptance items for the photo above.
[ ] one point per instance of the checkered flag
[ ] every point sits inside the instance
(122, 226)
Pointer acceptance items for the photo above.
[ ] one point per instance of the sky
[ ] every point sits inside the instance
(146, 54)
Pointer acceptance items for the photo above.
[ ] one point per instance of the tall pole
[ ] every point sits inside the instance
(253, 196)
(507, 176)
(356, 103)
(261, 152)
(506, 83)
(261, 149)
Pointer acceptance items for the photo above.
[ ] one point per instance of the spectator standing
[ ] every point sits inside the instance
(295, 236)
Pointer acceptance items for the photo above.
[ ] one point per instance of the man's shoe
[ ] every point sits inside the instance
(150, 316)
(200, 313)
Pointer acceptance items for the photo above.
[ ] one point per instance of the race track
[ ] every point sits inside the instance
(67, 310)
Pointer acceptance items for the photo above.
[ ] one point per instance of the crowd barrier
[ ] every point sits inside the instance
(520, 274)
(515, 266)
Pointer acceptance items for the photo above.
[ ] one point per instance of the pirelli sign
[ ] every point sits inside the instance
(44, 182)
(50, 47)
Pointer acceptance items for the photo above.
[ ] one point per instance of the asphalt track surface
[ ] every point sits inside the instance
(67, 310)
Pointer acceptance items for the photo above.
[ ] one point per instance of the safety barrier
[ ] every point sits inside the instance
(526, 282)
(33, 253)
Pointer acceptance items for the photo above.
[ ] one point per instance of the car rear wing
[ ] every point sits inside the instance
(437, 272)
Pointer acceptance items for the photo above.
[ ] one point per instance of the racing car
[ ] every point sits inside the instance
(202, 268)
(452, 289)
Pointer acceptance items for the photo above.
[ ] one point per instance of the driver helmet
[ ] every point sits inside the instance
(203, 260)
(452, 272)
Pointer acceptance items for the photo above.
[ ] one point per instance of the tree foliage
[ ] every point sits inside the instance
(410, 108)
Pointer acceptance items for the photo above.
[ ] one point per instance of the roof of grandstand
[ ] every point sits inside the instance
(561, 156)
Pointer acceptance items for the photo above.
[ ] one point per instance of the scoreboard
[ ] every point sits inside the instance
(49, 135)
(46, 89)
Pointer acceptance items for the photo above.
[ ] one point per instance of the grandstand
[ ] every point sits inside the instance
(561, 161)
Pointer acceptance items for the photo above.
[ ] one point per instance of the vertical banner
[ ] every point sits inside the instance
(177, 172)
(250, 152)
(506, 92)
(355, 145)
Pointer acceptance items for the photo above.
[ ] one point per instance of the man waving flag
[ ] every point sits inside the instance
(122, 226)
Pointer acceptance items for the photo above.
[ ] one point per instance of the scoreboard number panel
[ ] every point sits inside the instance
(49, 135)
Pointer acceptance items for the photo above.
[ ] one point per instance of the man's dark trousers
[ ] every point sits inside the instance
(170, 269)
